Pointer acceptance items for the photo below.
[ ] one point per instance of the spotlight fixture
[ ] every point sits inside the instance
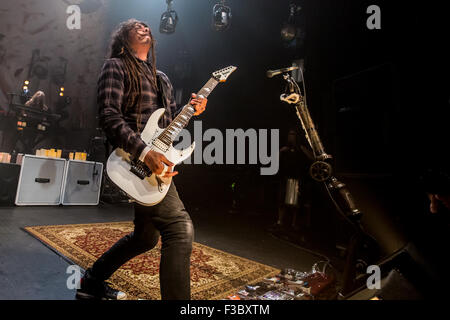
(221, 16)
(169, 19)
(289, 31)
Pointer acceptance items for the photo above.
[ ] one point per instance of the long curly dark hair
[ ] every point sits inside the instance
(120, 48)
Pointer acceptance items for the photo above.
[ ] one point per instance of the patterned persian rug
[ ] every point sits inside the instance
(214, 274)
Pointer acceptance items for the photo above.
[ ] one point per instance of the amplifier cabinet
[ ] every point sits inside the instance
(82, 183)
(40, 181)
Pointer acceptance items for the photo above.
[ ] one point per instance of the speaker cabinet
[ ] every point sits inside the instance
(40, 181)
(82, 183)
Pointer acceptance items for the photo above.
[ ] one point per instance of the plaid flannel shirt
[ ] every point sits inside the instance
(119, 122)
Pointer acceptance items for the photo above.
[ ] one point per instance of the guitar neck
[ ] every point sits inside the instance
(182, 119)
(208, 87)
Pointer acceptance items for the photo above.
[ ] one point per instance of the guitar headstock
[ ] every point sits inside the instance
(223, 74)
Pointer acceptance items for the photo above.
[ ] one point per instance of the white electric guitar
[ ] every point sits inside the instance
(132, 175)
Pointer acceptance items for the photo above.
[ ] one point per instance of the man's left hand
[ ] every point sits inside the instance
(199, 104)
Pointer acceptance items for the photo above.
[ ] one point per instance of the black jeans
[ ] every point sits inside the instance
(169, 219)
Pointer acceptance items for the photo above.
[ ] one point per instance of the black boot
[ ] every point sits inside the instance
(92, 288)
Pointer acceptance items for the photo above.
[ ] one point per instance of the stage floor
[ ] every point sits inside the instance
(30, 270)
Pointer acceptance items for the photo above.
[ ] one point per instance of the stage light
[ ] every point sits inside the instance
(221, 16)
(289, 31)
(169, 19)
(61, 94)
(62, 89)
(25, 88)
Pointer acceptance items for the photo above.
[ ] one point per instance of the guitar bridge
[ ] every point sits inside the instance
(140, 169)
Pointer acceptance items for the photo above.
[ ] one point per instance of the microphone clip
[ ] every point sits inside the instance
(292, 98)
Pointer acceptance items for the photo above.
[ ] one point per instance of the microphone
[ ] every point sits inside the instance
(272, 73)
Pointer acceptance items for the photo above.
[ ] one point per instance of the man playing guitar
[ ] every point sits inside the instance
(129, 90)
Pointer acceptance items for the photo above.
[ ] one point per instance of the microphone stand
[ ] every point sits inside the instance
(322, 171)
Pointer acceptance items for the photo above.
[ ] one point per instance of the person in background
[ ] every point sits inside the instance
(294, 184)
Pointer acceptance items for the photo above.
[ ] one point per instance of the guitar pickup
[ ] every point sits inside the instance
(160, 145)
(140, 169)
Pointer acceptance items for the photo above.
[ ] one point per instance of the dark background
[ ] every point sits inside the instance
(379, 99)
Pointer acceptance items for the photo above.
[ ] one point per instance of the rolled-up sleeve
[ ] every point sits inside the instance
(110, 96)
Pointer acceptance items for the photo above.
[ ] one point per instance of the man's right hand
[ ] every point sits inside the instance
(155, 161)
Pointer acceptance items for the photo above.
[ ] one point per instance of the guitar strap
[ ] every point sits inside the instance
(162, 91)
(162, 94)
(163, 97)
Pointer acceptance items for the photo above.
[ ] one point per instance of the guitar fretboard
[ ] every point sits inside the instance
(182, 119)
